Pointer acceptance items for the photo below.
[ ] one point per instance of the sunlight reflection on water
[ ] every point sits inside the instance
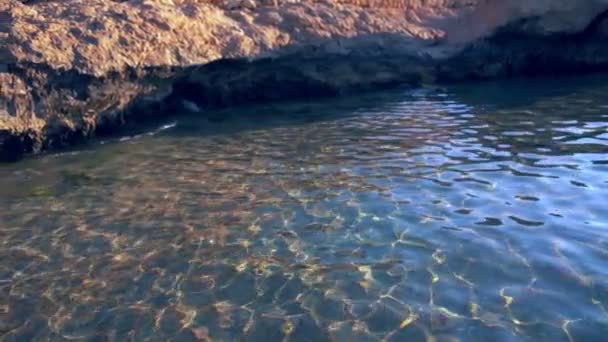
(458, 213)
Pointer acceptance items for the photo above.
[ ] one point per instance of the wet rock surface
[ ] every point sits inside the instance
(72, 68)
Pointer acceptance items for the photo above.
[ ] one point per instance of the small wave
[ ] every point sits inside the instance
(163, 128)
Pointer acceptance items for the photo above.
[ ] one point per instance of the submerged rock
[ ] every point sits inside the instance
(71, 68)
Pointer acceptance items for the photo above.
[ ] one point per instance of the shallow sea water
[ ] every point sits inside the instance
(471, 213)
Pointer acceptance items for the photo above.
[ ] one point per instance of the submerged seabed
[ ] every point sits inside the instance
(469, 213)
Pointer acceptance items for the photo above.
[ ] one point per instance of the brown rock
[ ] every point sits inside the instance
(70, 68)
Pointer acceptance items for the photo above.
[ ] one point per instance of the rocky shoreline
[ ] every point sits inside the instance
(72, 69)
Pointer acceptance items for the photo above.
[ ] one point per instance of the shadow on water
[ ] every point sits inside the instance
(523, 92)
(281, 114)
(486, 99)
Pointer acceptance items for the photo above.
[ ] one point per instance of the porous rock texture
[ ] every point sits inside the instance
(71, 68)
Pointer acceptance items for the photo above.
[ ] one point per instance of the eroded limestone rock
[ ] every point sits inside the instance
(69, 68)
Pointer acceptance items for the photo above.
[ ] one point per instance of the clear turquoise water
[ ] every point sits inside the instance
(474, 212)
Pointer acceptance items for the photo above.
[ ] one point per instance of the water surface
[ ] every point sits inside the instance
(468, 213)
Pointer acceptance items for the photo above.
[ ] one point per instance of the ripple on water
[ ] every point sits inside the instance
(397, 216)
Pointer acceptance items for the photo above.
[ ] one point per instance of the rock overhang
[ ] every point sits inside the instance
(71, 67)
